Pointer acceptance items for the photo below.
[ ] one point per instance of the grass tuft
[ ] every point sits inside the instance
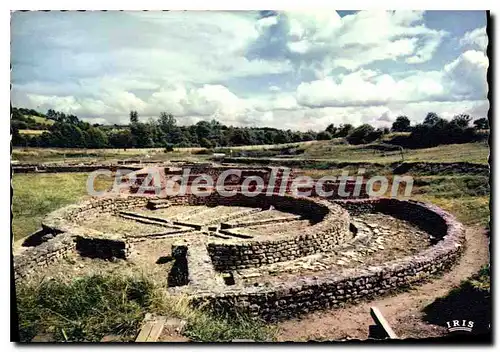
(88, 308)
(85, 309)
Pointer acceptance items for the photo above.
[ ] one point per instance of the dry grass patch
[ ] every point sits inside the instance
(36, 195)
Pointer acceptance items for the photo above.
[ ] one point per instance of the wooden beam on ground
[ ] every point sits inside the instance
(156, 330)
(145, 331)
(151, 328)
(382, 324)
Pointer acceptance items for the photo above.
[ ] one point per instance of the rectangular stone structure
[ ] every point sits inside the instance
(103, 248)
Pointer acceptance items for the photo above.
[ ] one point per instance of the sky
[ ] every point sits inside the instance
(291, 70)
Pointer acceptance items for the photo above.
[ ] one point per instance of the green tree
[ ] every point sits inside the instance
(344, 130)
(324, 135)
(431, 119)
(402, 124)
(361, 135)
(121, 139)
(206, 143)
(481, 124)
(331, 129)
(66, 135)
(461, 120)
(203, 130)
(142, 135)
(134, 117)
(282, 137)
(96, 138)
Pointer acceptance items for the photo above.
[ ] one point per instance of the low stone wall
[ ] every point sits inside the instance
(23, 169)
(300, 163)
(426, 218)
(443, 168)
(69, 236)
(331, 228)
(330, 288)
(36, 238)
(64, 219)
(201, 275)
(55, 168)
(227, 256)
(32, 259)
(103, 248)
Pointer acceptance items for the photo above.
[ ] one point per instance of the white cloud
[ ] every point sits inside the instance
(297, 70)
(463, 78)
(361, 88)
(466, 75)
(354, 40)
(427, 49)
(476, 38)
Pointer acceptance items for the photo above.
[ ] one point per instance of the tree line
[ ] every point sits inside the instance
(163, 132)
(68, 131)
(435, 130)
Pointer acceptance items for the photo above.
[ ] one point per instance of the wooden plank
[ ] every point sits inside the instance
(382, 322)
(145, 331)
(156, 330)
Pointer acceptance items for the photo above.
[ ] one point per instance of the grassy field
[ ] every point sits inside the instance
(465, 196)
(53, 155)
(36, 195)
(32, 132)
(334, 150)
(470, 152)
(41, 119)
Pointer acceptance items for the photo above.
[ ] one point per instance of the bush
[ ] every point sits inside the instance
(169, 148)
(323, 136)
(205, 143)
(203, 152)
(84, 309)
(88, 308)
(207, 328)
(363, 134)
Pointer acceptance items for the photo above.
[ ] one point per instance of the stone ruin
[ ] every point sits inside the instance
(275, 257)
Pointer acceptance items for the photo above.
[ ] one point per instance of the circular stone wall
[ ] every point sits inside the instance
(228, 250)
(208, 254)
(333, 288)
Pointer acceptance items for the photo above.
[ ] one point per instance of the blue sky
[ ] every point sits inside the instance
(297, 70)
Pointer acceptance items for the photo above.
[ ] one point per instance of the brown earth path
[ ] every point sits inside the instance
(403, 311)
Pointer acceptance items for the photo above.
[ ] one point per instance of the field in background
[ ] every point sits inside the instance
(49, 155)
(467, 196)
(333, 150)
(470, 152)
(32, 132)
(36, 195)
(42, 120)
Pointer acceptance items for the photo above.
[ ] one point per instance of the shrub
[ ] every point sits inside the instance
(323, 136)
(205, 143)
(363, 134)
(84, 309)
(88, 308)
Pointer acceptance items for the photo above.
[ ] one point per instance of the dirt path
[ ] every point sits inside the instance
(403, 311)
